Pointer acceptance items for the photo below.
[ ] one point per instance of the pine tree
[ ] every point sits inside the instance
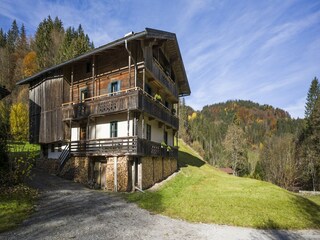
(313, 95)
(3, 38)
(13, 36)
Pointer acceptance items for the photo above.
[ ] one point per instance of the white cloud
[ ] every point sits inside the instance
(262, 51)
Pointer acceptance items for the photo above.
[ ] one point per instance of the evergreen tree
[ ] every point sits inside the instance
(313, 95)
(22, 43)
(3, 38)
(13, 36)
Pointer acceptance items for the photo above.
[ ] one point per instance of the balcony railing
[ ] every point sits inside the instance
(120, 146)
(131, 99)
(159, 73)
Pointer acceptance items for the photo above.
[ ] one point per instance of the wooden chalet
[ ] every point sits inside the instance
(108, 118)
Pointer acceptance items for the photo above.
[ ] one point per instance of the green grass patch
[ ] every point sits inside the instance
(15, 146)
(201, 193)
(314, 198)
(16, 204)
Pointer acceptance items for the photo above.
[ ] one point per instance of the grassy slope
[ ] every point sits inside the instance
(200, 193)
(15, 205)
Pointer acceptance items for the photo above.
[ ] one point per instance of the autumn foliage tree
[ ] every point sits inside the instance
(19, 121)
(235, 145)
(30, 64)
(279, 163)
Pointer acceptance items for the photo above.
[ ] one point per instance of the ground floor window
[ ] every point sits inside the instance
(148, 132)
(165, 137)
(114, 129)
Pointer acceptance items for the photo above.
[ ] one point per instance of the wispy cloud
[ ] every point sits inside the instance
(258, 50)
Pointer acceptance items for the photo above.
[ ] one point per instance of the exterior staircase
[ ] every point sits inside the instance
(64, 157)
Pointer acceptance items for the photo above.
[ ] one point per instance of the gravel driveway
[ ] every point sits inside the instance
(68, 210)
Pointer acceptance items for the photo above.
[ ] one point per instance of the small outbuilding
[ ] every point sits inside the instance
(227, 170)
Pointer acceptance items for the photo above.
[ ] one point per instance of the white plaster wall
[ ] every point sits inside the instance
(139, 127)
(170, 137)
(101, 129)
(156, 132)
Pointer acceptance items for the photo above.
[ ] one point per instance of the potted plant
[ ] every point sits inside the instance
(168, 148)
(163, 144)
(158, 97)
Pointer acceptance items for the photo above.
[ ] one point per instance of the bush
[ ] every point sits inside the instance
(19, 171)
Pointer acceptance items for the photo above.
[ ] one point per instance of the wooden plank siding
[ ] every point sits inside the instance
(45, 101)
(50, 105)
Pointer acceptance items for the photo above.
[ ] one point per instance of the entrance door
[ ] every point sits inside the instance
(83, 136)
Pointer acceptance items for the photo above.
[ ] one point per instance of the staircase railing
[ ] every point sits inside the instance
(64, 157)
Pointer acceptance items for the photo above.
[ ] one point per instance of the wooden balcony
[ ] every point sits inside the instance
(155, 68)
(131, 99)
(120, 146)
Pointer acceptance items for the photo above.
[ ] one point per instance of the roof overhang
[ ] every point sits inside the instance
(148, 33)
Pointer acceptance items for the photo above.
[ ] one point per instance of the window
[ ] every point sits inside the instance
(114, 87)
(83, 94)
(148, 132)
(165, 137)
(114, 129)
(148, 89)
(88, 67)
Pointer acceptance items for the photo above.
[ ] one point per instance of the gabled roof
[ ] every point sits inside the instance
(183, 84)
(3, 92)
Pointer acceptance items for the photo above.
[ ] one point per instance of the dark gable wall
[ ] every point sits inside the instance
(46, 99)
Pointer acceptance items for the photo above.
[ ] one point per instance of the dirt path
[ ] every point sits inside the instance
(67, 210)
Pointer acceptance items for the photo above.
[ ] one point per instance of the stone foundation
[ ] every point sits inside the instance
(99, 172)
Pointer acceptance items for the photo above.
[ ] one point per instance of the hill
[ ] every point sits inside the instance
(206, 130)
(223, 199)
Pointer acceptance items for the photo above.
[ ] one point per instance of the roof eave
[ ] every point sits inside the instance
(83, 56)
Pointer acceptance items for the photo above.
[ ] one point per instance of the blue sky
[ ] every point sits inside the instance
(264, 51)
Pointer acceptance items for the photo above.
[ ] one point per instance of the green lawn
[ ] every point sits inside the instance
(16, 146)
(201, 193)
(315, 198)
(16, 204)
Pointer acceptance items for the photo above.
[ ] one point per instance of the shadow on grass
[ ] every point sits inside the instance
(308, 211)
(272, 231)
(186, 159)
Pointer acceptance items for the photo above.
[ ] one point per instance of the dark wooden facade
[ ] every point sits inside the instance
(110, 116)
(75, 92)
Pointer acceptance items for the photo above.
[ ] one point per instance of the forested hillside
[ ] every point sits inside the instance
(22, 55)
(255, 140)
